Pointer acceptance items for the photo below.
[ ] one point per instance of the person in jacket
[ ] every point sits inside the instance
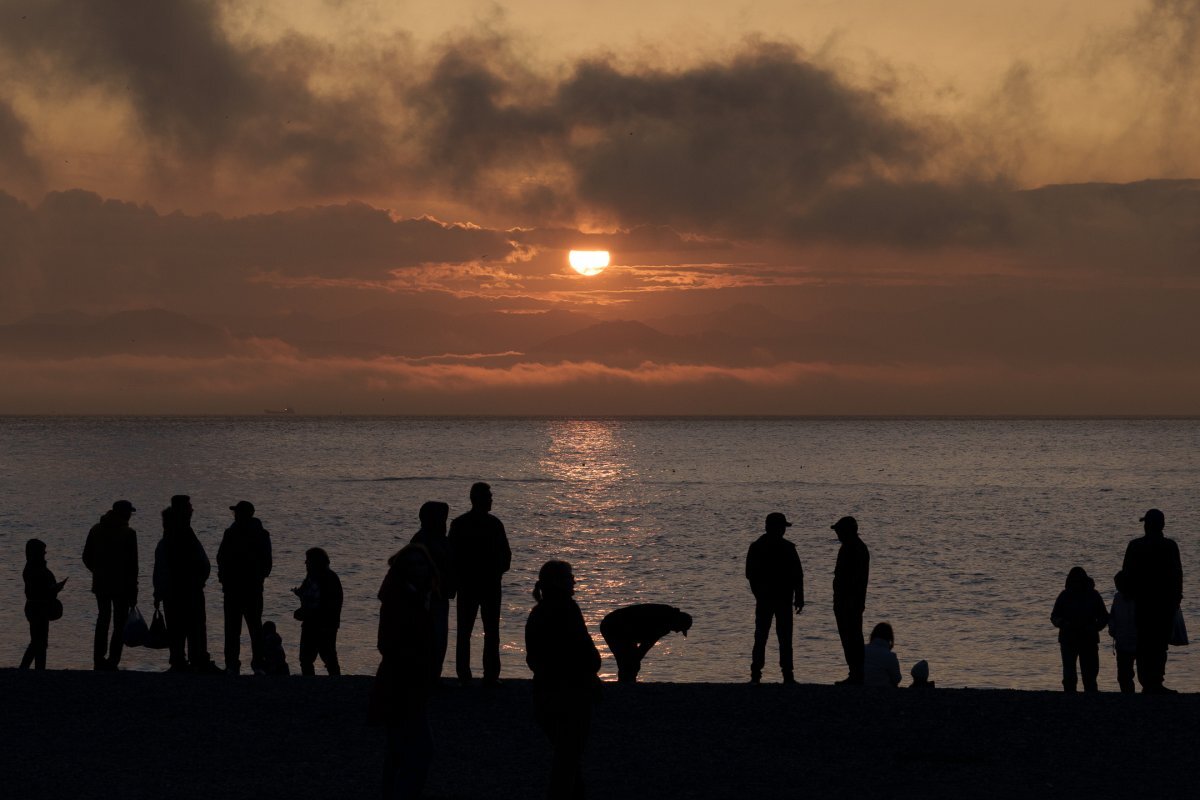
(41, 603)
(1122, 627)
(631, 631)
(181, 568)
(880, 665)
(432, 535)
(400, 693)
(1079, 614)
(243, 563)
(320, 613)
(565, 663)
(481, 557)
(274, 659)
(850, 576)
(777, 581)
(110, 554)
(1155, 574)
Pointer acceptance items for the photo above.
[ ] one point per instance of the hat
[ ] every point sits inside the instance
(181, 500)
(123, 505)
(845, 523)
(775, 518)
(1152, 516)
(243, 507)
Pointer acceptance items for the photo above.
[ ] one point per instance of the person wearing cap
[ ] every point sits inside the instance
(432, 535)
(1154, 574)
(850, 596)
(481, 557)
(181, 568)
(110, 554)
(631, 631)
(776, 578)
(243, 563)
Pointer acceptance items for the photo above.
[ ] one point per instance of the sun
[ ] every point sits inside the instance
(588, 262)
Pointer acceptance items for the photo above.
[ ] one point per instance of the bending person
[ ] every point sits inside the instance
(631, 631)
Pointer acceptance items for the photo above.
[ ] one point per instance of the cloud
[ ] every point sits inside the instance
(20, 169)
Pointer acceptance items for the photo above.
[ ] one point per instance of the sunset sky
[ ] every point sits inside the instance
(351, 206)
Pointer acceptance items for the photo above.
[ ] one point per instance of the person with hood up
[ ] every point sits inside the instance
(400, 693)
(181, 568)
(432, 536)
(320, 613)
(243, 563)
(1079, 614)
(111, 554)
(565, 662)
(776, 579)
(41, 603)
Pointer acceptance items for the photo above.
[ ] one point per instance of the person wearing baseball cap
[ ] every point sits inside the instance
(850, 596)
(1154, 574)
(777, 580)
(110, 553)
(243, 563)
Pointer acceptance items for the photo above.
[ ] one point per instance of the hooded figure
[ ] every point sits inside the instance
(181, 568)
(1079, 614)
(41, 603)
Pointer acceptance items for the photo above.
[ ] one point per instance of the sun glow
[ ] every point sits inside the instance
(588, 262)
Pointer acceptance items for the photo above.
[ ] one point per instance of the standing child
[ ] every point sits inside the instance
(1122, 627)
(41, 603)
(1079, 614)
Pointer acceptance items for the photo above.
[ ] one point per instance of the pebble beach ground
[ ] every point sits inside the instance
(139, 735)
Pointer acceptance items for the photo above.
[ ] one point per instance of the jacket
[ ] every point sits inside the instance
(880, 665)
(181, 567)
(1122, 624)
(558, 648)
(774, 570)
(443, 558)
(405, 640)
(850, 576)
(480, 547)
(244, 557)
(320, 600)
(41, 590)
(1154, 571)
(111, 554)
(1079, 612)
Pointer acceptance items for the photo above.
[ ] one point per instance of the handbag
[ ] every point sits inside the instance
(1178, 630)
(157, 639)
(136, 629)
(54, 609)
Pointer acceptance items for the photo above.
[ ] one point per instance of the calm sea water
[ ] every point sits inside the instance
(972, 524)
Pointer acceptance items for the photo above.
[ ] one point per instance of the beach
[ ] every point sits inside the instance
(138, 735)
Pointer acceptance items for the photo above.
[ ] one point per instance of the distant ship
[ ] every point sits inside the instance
(286, 410)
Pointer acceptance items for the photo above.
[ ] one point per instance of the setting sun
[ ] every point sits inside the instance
(588, 262)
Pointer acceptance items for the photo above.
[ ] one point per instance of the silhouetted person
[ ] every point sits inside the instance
(880, 665)
(400, 694)
(565, 664)
(320, 613)
(274, 659)
(41, 603)
(481, 557)
(1122, 627)
(1080, 615)
(920, 676)
(631, 631)
(850, 595)
(181, 568)
(777, 581)
(1155, 576)
(111, 555)
(243, 563)
(432, 536)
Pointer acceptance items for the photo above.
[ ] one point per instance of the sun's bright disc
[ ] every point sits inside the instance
(588, 262)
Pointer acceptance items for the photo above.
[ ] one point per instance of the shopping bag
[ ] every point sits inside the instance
(1178, 631)
(157, 638)
(136, 630)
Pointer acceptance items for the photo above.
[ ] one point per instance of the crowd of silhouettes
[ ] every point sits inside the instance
(465, 561)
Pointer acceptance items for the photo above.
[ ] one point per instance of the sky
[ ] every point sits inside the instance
(857, 207)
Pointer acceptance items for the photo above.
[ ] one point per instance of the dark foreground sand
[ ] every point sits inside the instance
(136, 735)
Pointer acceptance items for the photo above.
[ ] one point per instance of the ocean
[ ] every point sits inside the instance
(972, 523)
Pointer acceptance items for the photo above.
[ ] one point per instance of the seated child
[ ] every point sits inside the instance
(880, 665)
(920, 676)
(274, 660)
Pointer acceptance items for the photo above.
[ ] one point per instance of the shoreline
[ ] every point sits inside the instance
(145, 735)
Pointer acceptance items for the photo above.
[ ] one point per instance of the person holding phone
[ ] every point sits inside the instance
(41, 603)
